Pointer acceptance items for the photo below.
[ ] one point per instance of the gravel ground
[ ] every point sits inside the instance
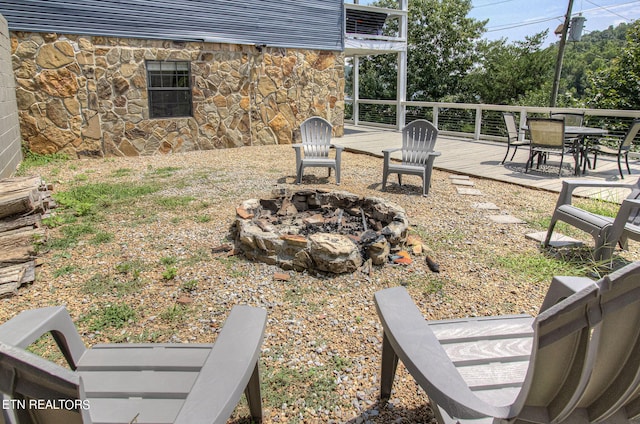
(321, 353)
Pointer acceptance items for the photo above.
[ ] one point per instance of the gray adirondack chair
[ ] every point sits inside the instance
(418, 141)
(314, 149)
(576, 362)
(125, 383)
(607, 232)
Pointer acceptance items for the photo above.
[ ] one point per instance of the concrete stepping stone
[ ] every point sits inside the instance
(469, 191)
(486, 205)
(506, 219)
(462, 183)
(458, 177)
(557, 239)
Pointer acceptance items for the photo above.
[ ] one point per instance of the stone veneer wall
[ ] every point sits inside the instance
(10, 146)
(87, 96)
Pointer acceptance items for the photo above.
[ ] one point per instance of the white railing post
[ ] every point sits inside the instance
(435, 116)
(478, 125)
(402, 69)
(523, 122)
(356, 89)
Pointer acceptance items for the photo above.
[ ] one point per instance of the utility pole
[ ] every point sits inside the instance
(561, 45)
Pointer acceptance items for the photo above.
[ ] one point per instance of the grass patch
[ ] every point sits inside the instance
(122, 172)
(232, 265)
(164, 172)
(104, 284)
(540, 268)
(32, 160)
(174, 202)
(599, 207)
(174, 314)
(111, 316)
(307, 387)
(87, 199)
(65, 270)
(102, 237)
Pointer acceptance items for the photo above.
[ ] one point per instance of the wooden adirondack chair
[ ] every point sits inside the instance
(606, 231)
(314, 150)
(125, 383)
(576, 362)
(418, 142)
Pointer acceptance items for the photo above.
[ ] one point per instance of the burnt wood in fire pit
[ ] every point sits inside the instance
(329, 231)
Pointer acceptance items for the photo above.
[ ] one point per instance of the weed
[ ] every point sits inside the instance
(200, 255)
(170, 273)
(168, 260)
(102, 237)
(163, 172)
(111, 316)
(86, 199)
(539, 268)
(100, 284)
(190, 285)
(599, 207)
(121, 172)
(232, 265)
(32, 160)
(64, 270)
(174, 202)
(284, 386)
(174, 313)
(202, 219)
(132, 268)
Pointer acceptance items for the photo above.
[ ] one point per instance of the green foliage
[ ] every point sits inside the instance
(111, 316)
(170, 273)
(615, 84)
(510, 71)
(174, 313)
(88, 198)
(540, 268)
(32, 160)
(174, 202)
(441, 49)
(104, 284)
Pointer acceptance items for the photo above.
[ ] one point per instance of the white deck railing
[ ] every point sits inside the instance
(475, 121)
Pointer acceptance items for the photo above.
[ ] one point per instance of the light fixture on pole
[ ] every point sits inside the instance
(561, 45)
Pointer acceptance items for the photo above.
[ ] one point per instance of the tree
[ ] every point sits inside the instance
(617, 85)
(441, 47)
(441, 50)
(507, 72)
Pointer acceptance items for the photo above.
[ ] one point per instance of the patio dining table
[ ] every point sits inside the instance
(581, 143)
(580, 135)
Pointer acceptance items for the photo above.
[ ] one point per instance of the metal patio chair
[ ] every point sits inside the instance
(513, 135)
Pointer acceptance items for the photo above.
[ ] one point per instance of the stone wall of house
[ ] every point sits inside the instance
(10, 145)
(87, 96)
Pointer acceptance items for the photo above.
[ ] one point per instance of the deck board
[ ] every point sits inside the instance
(480, 158)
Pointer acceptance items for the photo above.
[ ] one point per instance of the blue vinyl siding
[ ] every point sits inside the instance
(307, 24)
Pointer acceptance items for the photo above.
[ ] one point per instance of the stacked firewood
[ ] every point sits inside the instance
(24, 201)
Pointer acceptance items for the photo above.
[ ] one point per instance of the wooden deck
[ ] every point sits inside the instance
(482, 159)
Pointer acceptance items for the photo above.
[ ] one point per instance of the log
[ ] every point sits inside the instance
(12, 277)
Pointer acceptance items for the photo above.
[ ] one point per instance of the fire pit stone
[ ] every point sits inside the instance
(329, 231)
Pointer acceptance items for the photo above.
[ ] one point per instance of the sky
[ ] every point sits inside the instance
(516, 19)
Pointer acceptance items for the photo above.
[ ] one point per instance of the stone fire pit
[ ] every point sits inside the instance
(329, 231)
